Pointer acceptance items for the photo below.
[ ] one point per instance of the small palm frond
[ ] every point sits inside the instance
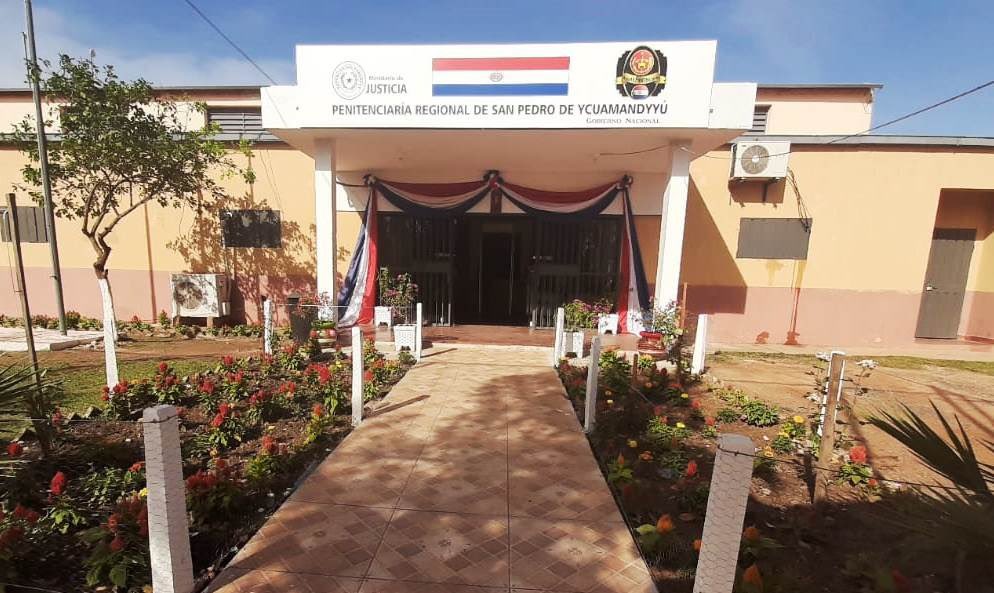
(17, 386)
(954, 459)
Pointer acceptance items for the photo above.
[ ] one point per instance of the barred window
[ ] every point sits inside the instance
(251, 228)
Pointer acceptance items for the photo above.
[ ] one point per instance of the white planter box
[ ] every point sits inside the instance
(382, 315)
(607, 324)
(405, 335)
(573, 342)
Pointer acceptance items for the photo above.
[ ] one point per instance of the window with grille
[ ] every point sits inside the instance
(251, 228)
(236, 120)
(774, 238)
(759, 117)
(30, 224)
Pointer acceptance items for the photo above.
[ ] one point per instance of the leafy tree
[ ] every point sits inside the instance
(120, 147)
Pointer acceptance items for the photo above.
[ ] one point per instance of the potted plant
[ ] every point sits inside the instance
(323, 334)
(304, 311)
(399, 293)
(579, 316)
(661, 328)
(607, 322)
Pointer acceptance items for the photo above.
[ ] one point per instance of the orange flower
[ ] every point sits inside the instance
(621, 459)
(664, 525)
(857, 454)
(691, 470)
(697, 545)
(751, 534)
(753, 577)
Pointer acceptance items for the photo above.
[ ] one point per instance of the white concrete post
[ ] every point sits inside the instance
(326, 244)
(418, 320)
(168, 532)
(836, 364)
(110, 333)
(725, 514)
(356, 376)
(557, 348)
(593, 371)
(674, 217)
(700, 344)
(267, 326)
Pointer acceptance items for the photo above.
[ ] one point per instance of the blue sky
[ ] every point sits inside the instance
(922, 51)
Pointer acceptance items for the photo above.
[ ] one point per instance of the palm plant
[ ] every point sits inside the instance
(960, 517)
(25, 397)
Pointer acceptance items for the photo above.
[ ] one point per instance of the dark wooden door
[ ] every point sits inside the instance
(496, 277)
(945, 283)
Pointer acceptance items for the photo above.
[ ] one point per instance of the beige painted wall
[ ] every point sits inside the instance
(816, 111)
(873, 211)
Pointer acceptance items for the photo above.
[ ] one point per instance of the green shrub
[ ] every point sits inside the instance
(759, 413)
(727, 415)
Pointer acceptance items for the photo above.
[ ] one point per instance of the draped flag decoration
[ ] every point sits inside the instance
(358, 292)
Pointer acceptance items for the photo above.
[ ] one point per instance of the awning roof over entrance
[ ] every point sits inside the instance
(593, 106)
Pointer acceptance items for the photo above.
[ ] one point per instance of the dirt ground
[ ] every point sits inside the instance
(966, 395)
(152, 349)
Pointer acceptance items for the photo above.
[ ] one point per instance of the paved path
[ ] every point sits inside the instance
(474, 476)
(12, 339)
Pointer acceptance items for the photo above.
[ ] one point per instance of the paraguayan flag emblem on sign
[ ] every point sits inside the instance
(499, 77)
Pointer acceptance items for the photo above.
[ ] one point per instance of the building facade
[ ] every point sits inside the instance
(862, 240)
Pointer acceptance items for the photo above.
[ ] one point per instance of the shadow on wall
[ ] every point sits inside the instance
(714, 283)
(255, 271)
(751, 192)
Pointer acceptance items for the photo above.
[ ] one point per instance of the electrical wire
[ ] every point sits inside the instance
(891, 122)
(230, 41)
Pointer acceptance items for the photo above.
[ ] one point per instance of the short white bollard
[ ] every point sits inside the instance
(593, 371)
(267, 326)
(418, 321)
(168, 532)
(727, 500)
(557, 348)
(356, 376)
(700, 344)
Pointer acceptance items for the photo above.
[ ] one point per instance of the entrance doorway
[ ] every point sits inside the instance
(507, 269)
(945, 283)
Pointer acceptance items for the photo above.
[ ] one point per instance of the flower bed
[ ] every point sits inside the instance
(655, 441)
(76, 519)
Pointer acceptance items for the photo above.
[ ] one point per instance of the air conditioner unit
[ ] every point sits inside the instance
(756, 159)
(201, 295)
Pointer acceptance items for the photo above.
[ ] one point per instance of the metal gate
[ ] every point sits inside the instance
(421, 247)
(573, 260)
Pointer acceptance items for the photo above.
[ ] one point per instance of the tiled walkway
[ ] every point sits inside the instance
(474, 476)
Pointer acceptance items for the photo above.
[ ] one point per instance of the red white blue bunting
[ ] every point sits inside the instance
(358, 292)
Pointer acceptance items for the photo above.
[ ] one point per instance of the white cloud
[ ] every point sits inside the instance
(55, 35)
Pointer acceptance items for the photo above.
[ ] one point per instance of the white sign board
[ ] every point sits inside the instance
(652, 84)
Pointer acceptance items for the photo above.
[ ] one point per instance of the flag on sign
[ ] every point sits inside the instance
(499, 77)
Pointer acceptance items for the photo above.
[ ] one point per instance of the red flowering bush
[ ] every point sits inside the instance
(226, 428)
(168, 388)
(14, 449)
(120, 547)
(212, 496)
(125, 401)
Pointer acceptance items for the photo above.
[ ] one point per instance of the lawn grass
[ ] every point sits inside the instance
(81, 386)
(892, 362)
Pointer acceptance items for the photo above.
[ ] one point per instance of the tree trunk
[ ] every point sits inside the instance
(110, 330)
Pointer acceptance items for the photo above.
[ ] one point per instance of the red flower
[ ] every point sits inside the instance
(11, 535)
(14, 449)
(224, 409)
(105, 393)
(206, 387)
(137, 467)
(29, 515)
(117, 544)
(221, 465)
(113, 522)
(367, 376)
(269, 445)
(691, 470)
(218, 420)
(57, 418)
(658, 410)
(228, 361)
(318, 410)
(314, 334)
(58, 484)
(696, 404)
(710, 421)
(857, 454)
(163, 367)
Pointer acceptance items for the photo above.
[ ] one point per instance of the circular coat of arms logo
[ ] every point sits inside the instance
(641, 73)
(349, 80)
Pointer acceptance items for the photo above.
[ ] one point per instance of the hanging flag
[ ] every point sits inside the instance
(505, 77)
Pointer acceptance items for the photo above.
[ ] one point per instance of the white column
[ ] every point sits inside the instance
(700, 344)
(325, 217)
(673, 219)
(593, 371)
(726, 509)
(557, 347)
(418, 321)
(356, 376)
(267, 326)
(168, 533)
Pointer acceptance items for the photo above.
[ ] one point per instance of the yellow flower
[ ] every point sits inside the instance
(768, 451)
(610, 402)
(633, 443)
(684, 396)
(143, 493)
(681, 425)
(798, 419)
